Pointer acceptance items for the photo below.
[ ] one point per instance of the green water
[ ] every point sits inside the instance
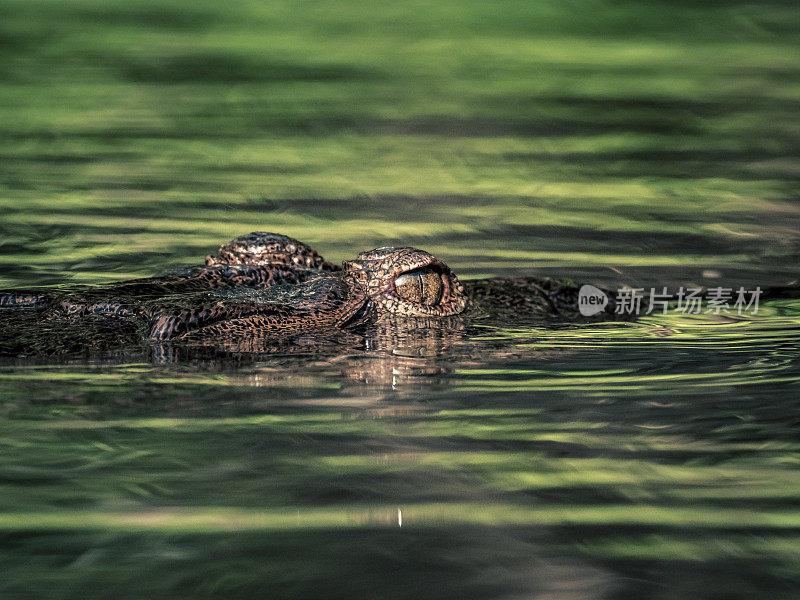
(647, 143)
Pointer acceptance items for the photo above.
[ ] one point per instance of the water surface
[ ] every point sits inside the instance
(649, 144)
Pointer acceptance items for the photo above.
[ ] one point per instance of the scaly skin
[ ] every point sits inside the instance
(266, 285)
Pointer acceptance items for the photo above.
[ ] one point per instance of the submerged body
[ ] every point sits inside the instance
(268, 285)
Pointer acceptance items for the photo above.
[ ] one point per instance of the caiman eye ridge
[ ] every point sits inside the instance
(420, 286)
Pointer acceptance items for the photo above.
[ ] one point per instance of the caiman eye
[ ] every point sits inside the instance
(423, 286)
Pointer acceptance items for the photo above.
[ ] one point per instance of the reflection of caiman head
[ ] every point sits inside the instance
(407, 282)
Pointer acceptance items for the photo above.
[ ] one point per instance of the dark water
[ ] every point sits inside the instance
(649, 144)
(624, 459)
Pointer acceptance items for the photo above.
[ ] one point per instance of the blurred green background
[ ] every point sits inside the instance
(654, 142)
(505, 136)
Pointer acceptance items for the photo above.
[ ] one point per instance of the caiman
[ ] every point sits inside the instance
(267, 285)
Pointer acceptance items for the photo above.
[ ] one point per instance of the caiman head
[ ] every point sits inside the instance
(407, 282)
